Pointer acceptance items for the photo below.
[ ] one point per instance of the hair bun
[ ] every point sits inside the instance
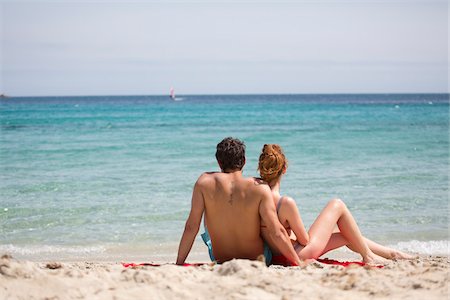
(271, 162)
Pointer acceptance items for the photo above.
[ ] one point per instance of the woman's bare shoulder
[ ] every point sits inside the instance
(289, 202)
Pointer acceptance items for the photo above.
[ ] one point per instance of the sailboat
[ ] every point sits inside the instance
(172, 95)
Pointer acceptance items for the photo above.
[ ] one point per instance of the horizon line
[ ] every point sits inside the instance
(6, 96)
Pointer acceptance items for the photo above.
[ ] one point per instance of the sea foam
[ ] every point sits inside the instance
(424, 247)
(49, 249)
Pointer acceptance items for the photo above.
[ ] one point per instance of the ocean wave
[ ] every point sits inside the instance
(47, 249)
(424, 247)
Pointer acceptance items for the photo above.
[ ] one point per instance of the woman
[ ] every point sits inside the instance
(322, 236)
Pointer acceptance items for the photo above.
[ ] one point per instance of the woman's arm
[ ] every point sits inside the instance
(295, 221)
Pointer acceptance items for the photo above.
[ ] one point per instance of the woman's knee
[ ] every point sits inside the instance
(337, 203)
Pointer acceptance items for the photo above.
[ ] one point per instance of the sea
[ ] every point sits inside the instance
(111, 177)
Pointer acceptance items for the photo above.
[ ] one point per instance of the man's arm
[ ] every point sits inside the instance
(192, 224)
(276, 231)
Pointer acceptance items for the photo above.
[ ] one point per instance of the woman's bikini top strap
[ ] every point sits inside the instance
(279, 204)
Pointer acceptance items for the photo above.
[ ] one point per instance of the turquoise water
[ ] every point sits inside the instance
(102, 175)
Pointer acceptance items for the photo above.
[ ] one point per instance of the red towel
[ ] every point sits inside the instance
(276, 260)
(283, 261)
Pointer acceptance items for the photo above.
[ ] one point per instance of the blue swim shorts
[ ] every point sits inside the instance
(207, 239)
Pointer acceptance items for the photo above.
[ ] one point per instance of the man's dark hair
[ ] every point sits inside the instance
(230, 154)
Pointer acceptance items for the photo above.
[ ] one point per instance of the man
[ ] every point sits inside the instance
(234, 207)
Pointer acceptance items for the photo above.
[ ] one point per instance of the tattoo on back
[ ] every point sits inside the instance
(230, 201)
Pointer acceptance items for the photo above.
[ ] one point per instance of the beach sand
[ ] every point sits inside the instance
(421, 278)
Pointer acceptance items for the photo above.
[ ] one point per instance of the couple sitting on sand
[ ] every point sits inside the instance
(247, 217)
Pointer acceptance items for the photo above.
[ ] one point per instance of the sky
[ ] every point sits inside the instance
(51, 48)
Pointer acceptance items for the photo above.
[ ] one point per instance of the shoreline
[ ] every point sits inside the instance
(167, 252)
(423, 277)
(162, 253)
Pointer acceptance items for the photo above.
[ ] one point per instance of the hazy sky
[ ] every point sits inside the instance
(214, 47)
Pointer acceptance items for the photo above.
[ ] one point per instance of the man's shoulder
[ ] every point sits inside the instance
(257, 181)
(206, 178)
(259, 185)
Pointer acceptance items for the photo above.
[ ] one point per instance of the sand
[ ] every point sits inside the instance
(421, 278)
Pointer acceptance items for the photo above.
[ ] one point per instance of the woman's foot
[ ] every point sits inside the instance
(373, 259)
(395, 254)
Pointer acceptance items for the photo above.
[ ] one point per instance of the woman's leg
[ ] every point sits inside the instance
(335, 212)
(337, 240)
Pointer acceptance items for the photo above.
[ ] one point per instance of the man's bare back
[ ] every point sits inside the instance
(232, 214)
